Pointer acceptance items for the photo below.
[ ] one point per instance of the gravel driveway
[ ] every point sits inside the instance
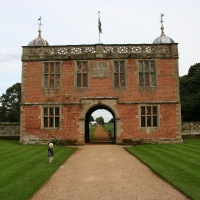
(105, 172)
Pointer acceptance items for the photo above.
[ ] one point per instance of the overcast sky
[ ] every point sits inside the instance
(102, 113)
(67, 22)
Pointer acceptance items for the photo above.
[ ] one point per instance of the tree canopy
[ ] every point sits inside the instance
(111, 120)
(91, 119)
(100, 120)
(10, 104)
(194, 70)
(190, 94)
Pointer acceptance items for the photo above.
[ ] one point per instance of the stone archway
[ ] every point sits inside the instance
(92, 104)
(87, 116)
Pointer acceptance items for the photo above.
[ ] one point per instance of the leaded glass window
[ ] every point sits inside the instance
(82, 74)
(147, 73)
(119, 74)
(51, 76)
(149, 116)
(51, 117)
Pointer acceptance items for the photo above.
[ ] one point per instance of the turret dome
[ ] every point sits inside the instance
(163, 39)
(39, 41)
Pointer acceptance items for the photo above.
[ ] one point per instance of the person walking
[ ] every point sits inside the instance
(50, 152)
(110, 134)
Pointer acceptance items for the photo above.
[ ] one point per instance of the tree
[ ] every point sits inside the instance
(91, 119)
(100, 120)
(190, 94)
(111, 120)
(10, 104)
(194, 69)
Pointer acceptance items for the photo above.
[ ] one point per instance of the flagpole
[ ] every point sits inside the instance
(99, 25)
(99, 38)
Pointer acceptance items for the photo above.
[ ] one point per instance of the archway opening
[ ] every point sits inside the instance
(94, 123)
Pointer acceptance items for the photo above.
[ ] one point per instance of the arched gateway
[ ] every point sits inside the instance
(137, 83)
(100, 104)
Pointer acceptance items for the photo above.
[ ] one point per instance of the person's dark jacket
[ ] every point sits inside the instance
(50, 151)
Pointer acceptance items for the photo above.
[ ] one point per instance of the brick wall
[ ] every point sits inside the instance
(167, 80)
(128, 99)
(76, 102)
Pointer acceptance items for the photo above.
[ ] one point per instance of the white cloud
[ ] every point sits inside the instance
(4, 58)
(102, 113)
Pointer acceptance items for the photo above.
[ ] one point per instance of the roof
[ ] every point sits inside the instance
(39, 41)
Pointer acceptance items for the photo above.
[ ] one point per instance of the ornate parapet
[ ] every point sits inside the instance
(106, 51)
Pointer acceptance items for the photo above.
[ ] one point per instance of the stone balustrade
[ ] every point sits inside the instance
(112, 51)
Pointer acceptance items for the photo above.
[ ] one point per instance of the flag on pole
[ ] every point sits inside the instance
(99, 24)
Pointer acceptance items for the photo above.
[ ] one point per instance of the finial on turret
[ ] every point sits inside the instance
(161, 21)
(39, 41)
(163, 39)
(40, 24)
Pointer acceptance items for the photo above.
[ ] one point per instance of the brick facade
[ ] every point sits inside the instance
(74, 104)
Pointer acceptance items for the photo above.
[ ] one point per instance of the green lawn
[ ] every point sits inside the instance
(179, 164)
(92, 129)
(25, 168)
(109, 126)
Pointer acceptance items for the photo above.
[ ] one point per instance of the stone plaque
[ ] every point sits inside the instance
(100, 69)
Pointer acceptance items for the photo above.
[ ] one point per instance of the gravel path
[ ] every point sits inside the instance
(100, 134)
(105, 172)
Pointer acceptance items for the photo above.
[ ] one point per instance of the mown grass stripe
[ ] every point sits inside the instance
(182, 147)
(177, 163)
(21, 155)
(24, 168)
(176, 160)
(185, 155)
(176, 152)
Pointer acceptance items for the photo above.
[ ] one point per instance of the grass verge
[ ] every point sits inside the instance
(91, 133)
(25, 168)
(109, 126)
(179, 164)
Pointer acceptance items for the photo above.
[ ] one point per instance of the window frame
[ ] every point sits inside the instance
(51, 78)
(148, 115)
(147, 74)
(82, 75)
(51, 119)
(119, 75)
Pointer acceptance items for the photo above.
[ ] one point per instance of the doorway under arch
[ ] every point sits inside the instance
(87, 117)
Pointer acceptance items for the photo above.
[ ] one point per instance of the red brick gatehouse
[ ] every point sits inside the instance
(137, 83)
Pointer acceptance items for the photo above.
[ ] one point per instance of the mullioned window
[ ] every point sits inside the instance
(82, 74)
(51, 74)
(119, 74)
(147, 73)
(51, 117)
(149, 116)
